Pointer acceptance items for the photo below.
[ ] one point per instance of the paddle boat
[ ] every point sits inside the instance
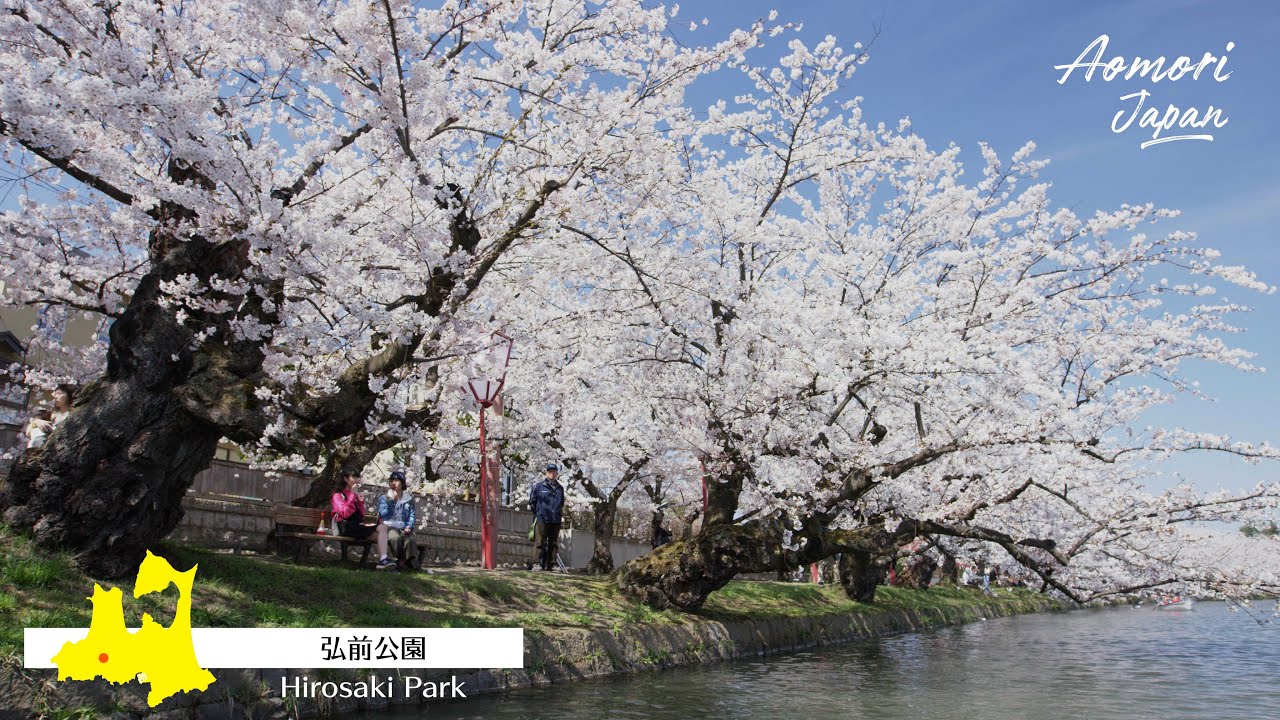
(1176, 603)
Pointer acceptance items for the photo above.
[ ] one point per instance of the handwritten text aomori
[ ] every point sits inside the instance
(1155, 71)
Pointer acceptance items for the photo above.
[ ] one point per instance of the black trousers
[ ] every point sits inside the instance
(547, 542)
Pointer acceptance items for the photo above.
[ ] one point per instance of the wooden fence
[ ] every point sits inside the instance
(448, 531)
(239, 480)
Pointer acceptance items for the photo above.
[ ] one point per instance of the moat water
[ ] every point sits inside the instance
(1093, 664)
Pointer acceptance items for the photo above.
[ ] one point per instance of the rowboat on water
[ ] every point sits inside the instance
(1177, 604)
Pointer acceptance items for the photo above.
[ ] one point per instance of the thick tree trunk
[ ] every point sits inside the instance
(682, 574)
(861, 572)
(656, 531)
(109, 481)
(352, 454)
(603, 515)
(724, 489)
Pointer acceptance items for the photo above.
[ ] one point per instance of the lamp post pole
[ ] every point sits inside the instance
(486, 394)
(487, 554)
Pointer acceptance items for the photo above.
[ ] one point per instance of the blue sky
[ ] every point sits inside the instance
(983, 70)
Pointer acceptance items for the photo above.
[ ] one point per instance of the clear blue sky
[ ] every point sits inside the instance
(983, 70)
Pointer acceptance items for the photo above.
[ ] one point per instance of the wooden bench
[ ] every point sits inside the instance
(288, 519)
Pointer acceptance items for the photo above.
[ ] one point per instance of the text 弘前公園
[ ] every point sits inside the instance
(1155, 71)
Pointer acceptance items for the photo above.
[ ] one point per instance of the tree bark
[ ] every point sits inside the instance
(603, 514)
(109, 481)
(657, 515)
(604, 506)
(861, 572)
(350, 454)
(950, 571)
(682, 574)
(725, 488)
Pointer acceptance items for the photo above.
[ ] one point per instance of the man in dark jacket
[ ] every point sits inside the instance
(546, 500)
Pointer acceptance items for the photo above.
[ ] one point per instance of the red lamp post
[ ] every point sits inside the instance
(486, 393)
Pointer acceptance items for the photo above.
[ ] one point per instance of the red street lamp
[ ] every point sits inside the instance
(487, 393)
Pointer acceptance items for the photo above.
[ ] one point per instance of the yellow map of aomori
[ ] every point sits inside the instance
(163, 657)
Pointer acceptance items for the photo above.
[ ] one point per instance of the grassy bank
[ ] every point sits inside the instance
(41, 590)
(576, 627)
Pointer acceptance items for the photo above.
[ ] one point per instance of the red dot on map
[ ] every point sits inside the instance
(102, 658)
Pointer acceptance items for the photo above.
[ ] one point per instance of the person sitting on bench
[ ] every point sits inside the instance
(348, 512)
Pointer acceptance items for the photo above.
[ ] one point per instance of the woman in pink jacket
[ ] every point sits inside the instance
(348, 512)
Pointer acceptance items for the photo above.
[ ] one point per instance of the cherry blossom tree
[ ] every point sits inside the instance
(300, 203)
(314, 216)
(875, 351)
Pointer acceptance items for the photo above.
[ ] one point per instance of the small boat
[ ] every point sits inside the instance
(1176, 604)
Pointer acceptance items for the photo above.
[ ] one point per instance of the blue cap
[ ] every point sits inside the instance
(552, 466)
(396, 475)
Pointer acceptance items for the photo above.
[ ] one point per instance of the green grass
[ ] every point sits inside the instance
(39, 589)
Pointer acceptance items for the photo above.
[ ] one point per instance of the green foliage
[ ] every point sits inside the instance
(31, 572)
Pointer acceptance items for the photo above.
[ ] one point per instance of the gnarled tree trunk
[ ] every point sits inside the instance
(682, 574)
(861, 572)
(950, 571)
(109, 481)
